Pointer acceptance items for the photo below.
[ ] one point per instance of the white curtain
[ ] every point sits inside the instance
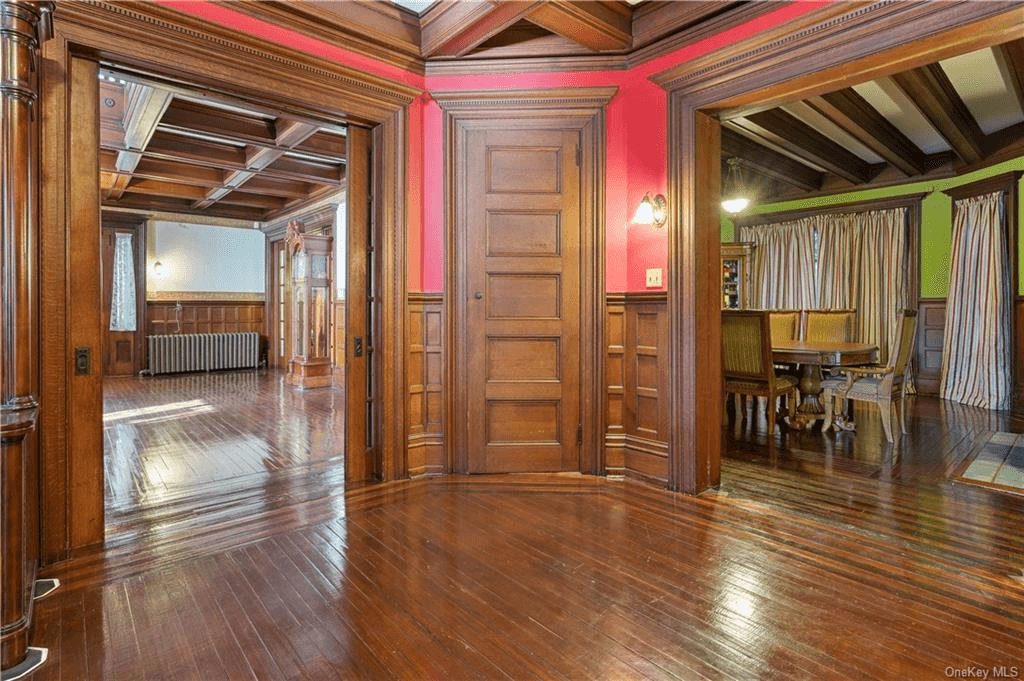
(863, 264)
(782, 265)
(976, 357)
(122, 298)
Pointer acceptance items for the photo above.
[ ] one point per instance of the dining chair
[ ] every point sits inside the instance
(784, 324)
(829, 325)
(878, 384)
(747, 367)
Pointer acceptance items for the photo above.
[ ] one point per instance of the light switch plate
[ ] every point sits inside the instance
(654, 277)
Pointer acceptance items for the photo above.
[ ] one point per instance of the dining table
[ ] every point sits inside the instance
(812, 356)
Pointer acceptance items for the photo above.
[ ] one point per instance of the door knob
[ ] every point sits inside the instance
(478, 295)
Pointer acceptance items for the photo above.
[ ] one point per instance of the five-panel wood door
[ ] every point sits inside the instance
(523, 281)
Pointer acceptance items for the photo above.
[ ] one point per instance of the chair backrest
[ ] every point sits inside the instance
(829, 326)
(746, 345)
(784, 324)
(903, 346)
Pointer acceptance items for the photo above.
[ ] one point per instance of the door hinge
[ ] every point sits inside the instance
(579, 156)
(579, 435)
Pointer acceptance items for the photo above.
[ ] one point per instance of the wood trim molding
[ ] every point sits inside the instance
(907, 201)
(320, 216)
(1007, 182)
(425, 297)
(481, 103)
(555, 64)
(839, 45)
(205, 296)
(735, 16)
(159, 35)
(583, 108)
(166, 44)
(377, 41)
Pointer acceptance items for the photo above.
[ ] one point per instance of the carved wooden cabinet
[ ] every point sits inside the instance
(310, 305)
(736, 275)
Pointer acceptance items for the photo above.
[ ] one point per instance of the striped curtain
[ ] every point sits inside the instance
(863, 263)
(782, 265)
(976, 357)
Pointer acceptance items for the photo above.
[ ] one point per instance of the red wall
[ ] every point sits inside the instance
(636, 152)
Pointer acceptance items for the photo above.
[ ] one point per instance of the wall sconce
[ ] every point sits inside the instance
(734, 194)
(651, 211)
(158, 269)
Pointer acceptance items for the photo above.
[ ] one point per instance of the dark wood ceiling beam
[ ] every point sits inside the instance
(144, 106)
(853, 114)
(170, 205)
(190, 117)
(177, 147)
(599, 26)
(174, 190)
(173, 171)
(324, 145)
(451, 28)
(1012, 54)
(267, 203)
(286, 189)
(782, 131)
(293, 168)
(935, 97)
(769, 163)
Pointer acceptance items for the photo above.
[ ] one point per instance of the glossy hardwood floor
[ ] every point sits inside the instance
(821, 557)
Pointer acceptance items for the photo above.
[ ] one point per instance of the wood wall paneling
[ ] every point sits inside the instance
(218, 316)
(1018, 352)
(425, 384)
(931, 313)
(637, 407)
(615, 377)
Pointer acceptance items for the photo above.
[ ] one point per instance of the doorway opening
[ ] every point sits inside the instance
(201, 198)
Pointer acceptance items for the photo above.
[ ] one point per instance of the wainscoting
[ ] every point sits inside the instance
(425, 389)
(636, 441)
(339, 343)
(206, 316)
(930, 339)
(931, 321)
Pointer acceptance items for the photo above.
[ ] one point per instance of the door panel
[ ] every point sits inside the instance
(122, 350)
(523, 275)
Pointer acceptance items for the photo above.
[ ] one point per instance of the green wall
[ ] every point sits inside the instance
(936, 221)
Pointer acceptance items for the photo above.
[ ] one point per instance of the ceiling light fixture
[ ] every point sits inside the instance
(651, 211)
(735, 198)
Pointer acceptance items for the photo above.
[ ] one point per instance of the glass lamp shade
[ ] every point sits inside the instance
(651, 211)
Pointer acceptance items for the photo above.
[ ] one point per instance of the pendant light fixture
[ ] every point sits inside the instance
(735, 198)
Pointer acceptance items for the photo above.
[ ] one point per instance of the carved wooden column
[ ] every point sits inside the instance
(23, 25)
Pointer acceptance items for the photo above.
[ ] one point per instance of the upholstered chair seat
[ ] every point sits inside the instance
(878, 384)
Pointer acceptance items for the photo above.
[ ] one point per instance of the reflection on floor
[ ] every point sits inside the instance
(199, 448)
(822, 557)
(998, 463)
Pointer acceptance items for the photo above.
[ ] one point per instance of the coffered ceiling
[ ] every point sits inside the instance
(171, 150)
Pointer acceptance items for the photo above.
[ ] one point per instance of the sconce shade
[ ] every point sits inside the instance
(158, 268)
(651, 211)
(735, 198)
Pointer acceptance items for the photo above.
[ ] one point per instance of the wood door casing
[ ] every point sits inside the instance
(123, 350)
(523, 269)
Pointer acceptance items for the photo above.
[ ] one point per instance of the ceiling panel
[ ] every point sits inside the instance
(982, 84)
(889, 100)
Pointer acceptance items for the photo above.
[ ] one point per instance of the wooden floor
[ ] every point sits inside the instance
(821, 557)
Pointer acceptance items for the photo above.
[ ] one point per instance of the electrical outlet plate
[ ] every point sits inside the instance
(654, 277)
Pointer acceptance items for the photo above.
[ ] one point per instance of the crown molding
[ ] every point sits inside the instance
(376, 39)
(571, 98)
(105, 26)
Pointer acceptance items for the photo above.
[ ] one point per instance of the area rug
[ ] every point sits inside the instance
(998, 464)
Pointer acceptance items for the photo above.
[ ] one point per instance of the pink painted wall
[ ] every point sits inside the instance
(637, 157)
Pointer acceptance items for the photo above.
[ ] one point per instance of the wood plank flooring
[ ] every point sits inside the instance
(821, 557)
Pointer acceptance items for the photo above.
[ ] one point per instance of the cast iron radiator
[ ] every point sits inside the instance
(180, 352)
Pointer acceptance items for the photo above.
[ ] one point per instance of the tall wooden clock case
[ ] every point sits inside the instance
(311, 267)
